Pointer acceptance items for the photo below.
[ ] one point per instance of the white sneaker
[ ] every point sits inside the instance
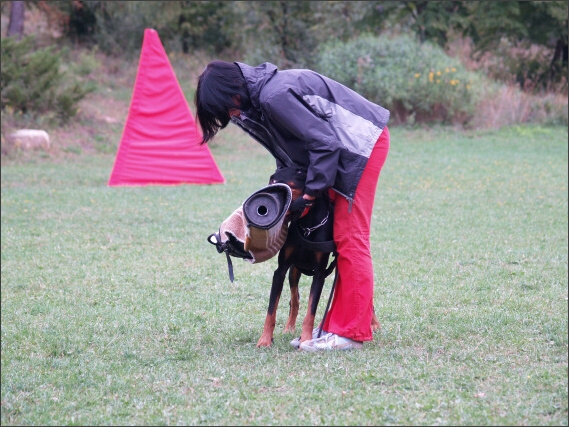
(296, 342)
(331, 342)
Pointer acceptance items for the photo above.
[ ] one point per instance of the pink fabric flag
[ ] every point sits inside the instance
(160, 141)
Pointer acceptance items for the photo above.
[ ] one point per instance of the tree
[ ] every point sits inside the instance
(522, 24)
(200, 25)
(277, 31)
(510, 30)
(32, 82)
(288, 33)
(16, 23)
(428, 20)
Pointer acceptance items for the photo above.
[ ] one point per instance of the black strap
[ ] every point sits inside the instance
(229, 266)
(327, 246)
(228, 249)
(332, 265)
(329, 301)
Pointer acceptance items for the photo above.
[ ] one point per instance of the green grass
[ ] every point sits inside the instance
(117, 311)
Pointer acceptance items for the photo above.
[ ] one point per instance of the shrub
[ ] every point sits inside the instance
(417, 82)
(32, 83)
(506, 105)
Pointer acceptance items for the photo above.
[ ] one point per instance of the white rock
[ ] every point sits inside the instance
(29, 139)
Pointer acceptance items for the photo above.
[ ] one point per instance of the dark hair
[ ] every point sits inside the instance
(219, 86)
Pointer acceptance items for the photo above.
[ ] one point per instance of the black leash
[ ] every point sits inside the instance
(329, 300)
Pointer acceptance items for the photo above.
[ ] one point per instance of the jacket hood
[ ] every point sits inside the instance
(256, 78)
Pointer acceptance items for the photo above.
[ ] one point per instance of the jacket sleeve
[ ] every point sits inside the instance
(285, 108)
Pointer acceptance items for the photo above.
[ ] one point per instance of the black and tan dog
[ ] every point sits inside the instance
(306, 250)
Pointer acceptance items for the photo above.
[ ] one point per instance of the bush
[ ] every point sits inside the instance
(417, 83)
(507, 105)
(32, 82)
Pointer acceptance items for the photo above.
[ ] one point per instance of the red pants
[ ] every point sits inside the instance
(352, 307)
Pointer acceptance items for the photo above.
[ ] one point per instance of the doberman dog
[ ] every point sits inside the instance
(307, 250)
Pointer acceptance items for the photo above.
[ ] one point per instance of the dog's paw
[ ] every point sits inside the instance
(375, 325)
(265, 342)
(289, 328)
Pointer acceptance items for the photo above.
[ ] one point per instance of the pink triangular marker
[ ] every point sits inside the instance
(160, 141)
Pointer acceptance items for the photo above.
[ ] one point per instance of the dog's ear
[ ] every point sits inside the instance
(274, 178)
(293, 174)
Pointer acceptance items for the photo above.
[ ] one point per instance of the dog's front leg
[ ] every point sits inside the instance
(266, 339)
(293, 280)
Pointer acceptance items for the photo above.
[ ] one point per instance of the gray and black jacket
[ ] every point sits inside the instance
(306, 119)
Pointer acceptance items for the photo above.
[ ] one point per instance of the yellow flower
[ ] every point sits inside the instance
(431, 76)
(446, 70)
(453, 69)
(438, 73)
(417, 75)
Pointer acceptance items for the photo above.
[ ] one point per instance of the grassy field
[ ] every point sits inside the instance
(117, 311)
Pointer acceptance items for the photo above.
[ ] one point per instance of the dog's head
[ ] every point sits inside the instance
(294, 177)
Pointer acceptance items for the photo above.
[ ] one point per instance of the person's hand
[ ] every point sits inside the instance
(300, 207)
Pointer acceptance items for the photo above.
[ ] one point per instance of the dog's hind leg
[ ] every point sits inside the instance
(375, 325)
(293, 280)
